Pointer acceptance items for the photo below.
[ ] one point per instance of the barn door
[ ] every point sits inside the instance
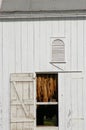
(22, 102)
(71, 101)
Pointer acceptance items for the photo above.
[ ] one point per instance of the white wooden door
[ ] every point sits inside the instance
(22, 102)
(71, 116)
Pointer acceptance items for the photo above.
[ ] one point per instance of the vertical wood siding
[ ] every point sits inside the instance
(25, 46)
(1, 75)
(84, 68)
(22, 102)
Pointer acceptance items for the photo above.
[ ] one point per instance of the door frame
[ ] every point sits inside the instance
(49, 127)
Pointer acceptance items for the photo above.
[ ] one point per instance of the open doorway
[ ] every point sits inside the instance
(47, 100)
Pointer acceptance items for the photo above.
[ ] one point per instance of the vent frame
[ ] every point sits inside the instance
(58, 51)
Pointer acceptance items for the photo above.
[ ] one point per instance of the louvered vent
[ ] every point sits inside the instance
(58, 51)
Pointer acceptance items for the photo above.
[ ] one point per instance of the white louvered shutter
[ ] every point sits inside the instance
(58, 51)
(22, 102)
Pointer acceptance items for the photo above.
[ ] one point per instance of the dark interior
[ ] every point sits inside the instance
(47, 91)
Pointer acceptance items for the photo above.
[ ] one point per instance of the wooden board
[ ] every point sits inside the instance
(22, 102)
(70, 101)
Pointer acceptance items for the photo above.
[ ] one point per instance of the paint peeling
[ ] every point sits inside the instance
(69, 119)
(69, 113)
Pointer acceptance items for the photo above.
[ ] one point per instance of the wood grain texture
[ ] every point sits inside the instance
(1, 72)
(19, 39)
(22, 113)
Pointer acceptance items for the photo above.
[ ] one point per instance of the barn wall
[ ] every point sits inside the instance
(25, 46)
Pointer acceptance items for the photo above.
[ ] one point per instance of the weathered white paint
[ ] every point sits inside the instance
(47, 128)
(22, 91)
(72, 92)
(25, 48)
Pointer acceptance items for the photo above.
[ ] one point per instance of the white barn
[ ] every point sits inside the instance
(42, 40)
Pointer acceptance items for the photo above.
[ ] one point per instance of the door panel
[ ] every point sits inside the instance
(22, 102)
(71, 101)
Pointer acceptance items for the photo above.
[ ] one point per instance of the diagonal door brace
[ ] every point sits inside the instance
(22, 103)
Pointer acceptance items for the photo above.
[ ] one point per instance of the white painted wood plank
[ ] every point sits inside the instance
(34, 83)
(47, 128)
(77, 75)
(18, 45)
(20, 110)
(36, 42)
(23, 79)
(21, 74)
(74, 103)
(48, 45)
(26, 102)
(84, 80)
(80, 44)
(84, 100)
(74, 44)
(30, 47)
(67, 45)
(58, 27)
(74, 124)
(84, 44)
(32, 110)
(78, 116)
(55, 28)
(61, 27)
(42, 45)
(47, 103)
(80, 97)
(1, 73)
(80, 66)
(13, 112)
(61, 101)
(24, 42)
(18, 89)
(19, 94)
(80, 124)
(68, 96)
(27, 126)
(19, 125)
(25, 92)
(74, 89)
(20, 117)
(11, 46)
(13, 126)
(6, 76)
(31, 90)
(21, 120)
(13, 94)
